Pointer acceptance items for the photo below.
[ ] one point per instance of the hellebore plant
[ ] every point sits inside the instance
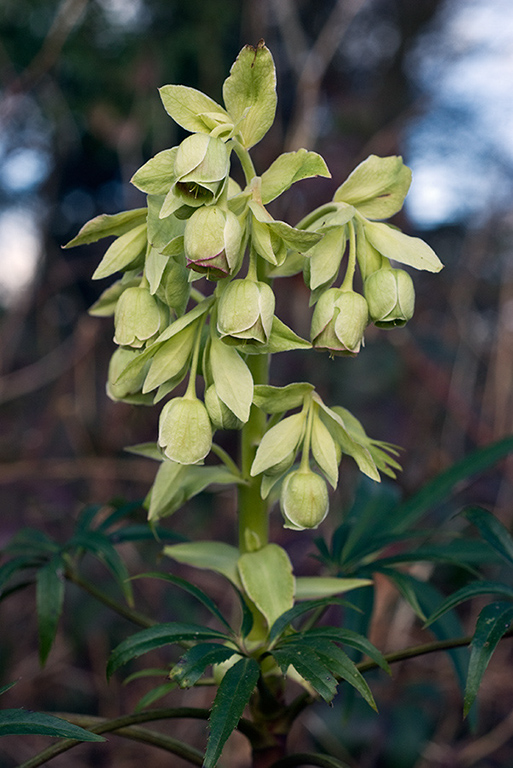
(199, 222)
(216, 338)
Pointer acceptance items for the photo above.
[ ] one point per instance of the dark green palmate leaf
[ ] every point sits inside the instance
(193, 663)
(492, 624)
(196, 592)
(474, 589)
(310, 665)
(492, 531)
(405, 586)
(99, 545)
(150, 697)
(49, 601)
(352, 639)
(438, 489)
(445, 627)
(232, 697)
(286, 619)
(17, 722)
(13, 567)
(30, 541)
(156, 637)
(337, 662)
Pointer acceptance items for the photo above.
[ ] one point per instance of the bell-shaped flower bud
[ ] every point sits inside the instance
(219, 413)
(390, 296)
(304, 499)
(246, 311)
(212, 241)
(339, 321)
(129, 389)
(201, 169)
(185, 432)
(137, 318)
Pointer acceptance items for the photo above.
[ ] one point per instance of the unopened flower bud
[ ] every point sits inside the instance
(137, 317)
(339, 321)
(201, 169)
(246, 311)
(219, 413)
(212, 241)
(391, 297)
(130, 388)
(304, 499)
(185, 432)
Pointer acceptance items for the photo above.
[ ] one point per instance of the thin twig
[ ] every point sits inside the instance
(123, 610)
(123, 726)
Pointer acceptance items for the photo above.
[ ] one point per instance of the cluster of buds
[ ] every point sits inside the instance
(198, 223)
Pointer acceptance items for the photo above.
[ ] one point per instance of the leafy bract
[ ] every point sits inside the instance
(250, 94)
(280, 399)
(289, 168)
(125, 250)
(157, 175)
(268, 580)
(232, 378)
(405, 249)
(187, 107)
(278, 442)
(314, 587)
(107, 225)
(211, 555)
(377, 187)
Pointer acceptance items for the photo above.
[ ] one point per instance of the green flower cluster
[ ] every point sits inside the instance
(199, 223)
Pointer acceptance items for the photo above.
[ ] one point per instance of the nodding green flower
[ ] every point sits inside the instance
(391, 297)
(304, 499)
(212, 241)
(185, 432)
(130, 388)
(219, 413)
(339, 321)
(246, 311)
(201, 169)
(137, 318)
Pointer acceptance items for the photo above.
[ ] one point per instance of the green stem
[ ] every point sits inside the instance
(253, 512)
(191, 386)
(347, 284)
(226, 459)
(134, 616)
(312, 217)
(305, 456)
(122, 726)
(245, 160)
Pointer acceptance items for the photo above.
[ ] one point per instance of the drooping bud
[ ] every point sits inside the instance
(339, 321)
(304, 499)
(219, 413)
(246, 311)
(130, 388)
(201, 169)
(391, 297)
(137, 318)
(212, 241)
(185, 432)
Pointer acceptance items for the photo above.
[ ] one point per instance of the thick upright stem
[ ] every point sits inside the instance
(253, 512)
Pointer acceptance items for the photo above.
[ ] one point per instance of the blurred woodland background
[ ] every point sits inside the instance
(79, 113)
